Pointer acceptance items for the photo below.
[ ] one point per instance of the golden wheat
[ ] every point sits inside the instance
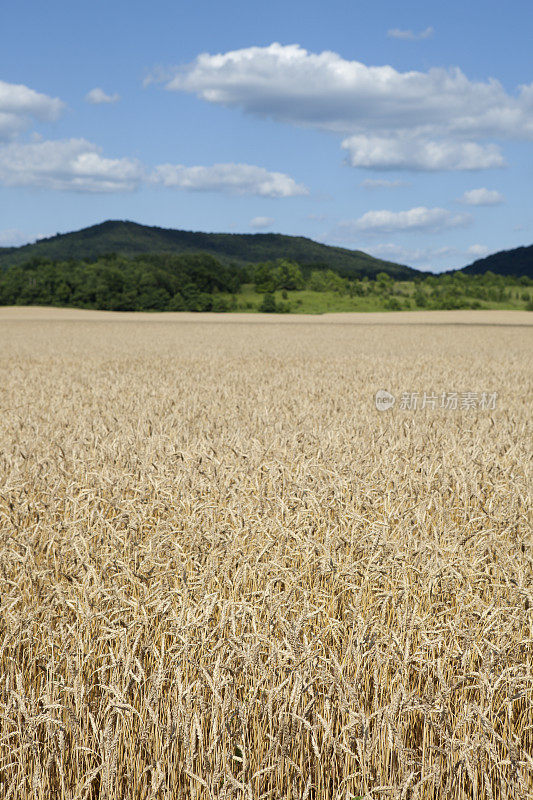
(225, 574)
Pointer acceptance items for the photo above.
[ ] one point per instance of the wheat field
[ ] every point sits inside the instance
(225, 574)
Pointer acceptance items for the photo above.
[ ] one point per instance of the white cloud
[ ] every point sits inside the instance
(427, 257)
(407, 120)
(421, 219)
(326, 91)
(97, 96)
(415, 153)
(261, 222)
(478, 250)
(482, 197)
(233, 178)
(381, 183)
(77, 165)
(67, 164)
(409, 255)
(20, 105)
(12, 237)
(409, 35)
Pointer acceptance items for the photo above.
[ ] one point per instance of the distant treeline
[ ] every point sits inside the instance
(117, 283)
(199, 282)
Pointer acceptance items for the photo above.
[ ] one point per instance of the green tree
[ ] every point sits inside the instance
(264, 278)
(288, 275)
(269, 305)
(326, 281)
(177, 303)
(420, 298)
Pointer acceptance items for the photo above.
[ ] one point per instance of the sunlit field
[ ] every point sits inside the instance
(225, 574)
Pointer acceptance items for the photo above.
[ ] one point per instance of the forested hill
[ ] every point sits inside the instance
(516, 262)
(131, 239)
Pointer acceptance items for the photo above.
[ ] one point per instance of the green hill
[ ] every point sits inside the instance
(131, 239)
(517, 262)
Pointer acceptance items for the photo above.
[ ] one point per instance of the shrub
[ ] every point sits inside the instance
(269, 305)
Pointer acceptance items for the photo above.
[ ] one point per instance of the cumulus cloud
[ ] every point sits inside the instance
(420, 219)
(415, 153)
(261, 222)
(482, 197)
(382, 183)
(78, 165)
(67, 164)
(20, 106)
(326, 91)
(97, 96)
(409, 35)
(392, 119)
(232, 178)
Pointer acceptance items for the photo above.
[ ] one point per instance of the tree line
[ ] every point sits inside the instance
(199, 282)
(118, 283)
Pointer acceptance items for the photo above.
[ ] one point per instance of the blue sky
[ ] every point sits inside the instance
(404, 130)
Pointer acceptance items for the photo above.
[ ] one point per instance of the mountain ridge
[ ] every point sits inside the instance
(133, 239)
(517, 261)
